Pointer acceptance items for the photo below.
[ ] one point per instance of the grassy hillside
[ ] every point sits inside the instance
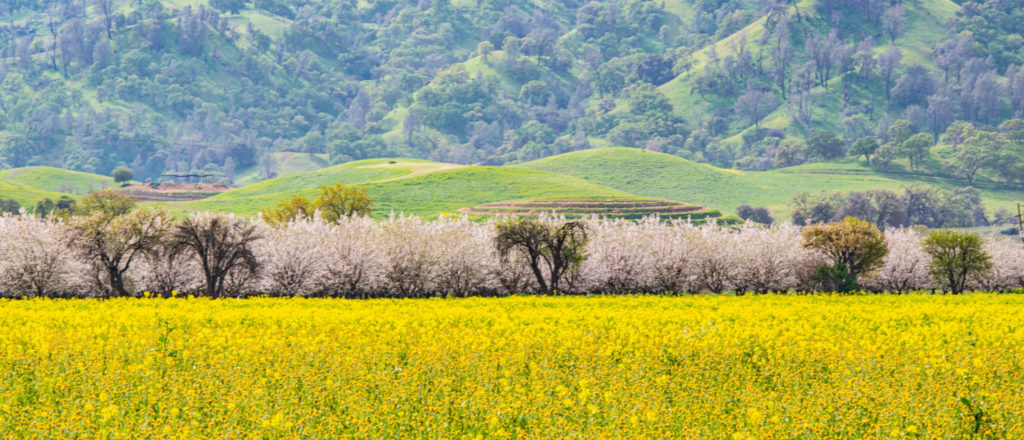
(56, 180)
(286, 164)
(659, 175)
(415, 187)
(31, 184)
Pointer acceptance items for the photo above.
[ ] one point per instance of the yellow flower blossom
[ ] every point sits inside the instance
(713, 367)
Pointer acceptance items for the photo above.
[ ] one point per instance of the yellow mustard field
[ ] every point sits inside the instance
(536, 367)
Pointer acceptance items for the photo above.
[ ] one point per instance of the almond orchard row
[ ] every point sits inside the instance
(147, 253)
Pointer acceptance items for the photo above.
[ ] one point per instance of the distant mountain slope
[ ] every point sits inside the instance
(665, 176)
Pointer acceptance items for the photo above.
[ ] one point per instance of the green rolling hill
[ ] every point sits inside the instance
(429, 188)
(285, 164)
(651, 174)
(410, 186)
(31, 184)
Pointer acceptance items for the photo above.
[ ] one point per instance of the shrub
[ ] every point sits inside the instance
(108, 202)
(757, 215)
(854, 246)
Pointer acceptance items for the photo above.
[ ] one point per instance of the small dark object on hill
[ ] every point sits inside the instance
(756, 215)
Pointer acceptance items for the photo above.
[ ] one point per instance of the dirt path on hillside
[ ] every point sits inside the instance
(416, 169)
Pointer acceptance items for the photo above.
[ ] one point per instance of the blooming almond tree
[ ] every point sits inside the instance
(291, 256)
(618, 256)
(1007, 269)
(354, 257)
(34, 258)
(767, 257)
(906, 265)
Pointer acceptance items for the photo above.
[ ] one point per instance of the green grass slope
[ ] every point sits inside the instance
(414, 187)
(31, 184)
(56, 180)
(287, 163)
(651, 174)
(349, 173)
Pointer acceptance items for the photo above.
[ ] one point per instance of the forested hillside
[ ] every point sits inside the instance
(226, 86)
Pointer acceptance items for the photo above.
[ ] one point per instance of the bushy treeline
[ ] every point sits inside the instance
(146, 252)
(913, 204)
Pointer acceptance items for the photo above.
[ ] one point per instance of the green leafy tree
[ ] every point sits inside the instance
(854, 246)
(865, 146)
(122, 174)
(535, 93)
(977, 151)
(811, 208)
(44, 207)
(956, 257)
(108, 202)
(916, 149)
(825, 145)
(288, 210)
(9, 206)
(886, 153)
(899, 132)
(337, 201)
(790, 152)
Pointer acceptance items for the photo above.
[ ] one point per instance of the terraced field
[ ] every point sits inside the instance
(630, 209)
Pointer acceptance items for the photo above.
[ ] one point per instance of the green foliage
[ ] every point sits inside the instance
(757, 215)
(287, 211)
(337, 201)
(996, 26)
(865, 146)
(455, 102)
(916, 148)
(835, 278)
(44, 208)
(825, 145)
(179, 86)
(9, 206)
(122, 174)
(956, 258)
(854, 246)
(106, 202)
